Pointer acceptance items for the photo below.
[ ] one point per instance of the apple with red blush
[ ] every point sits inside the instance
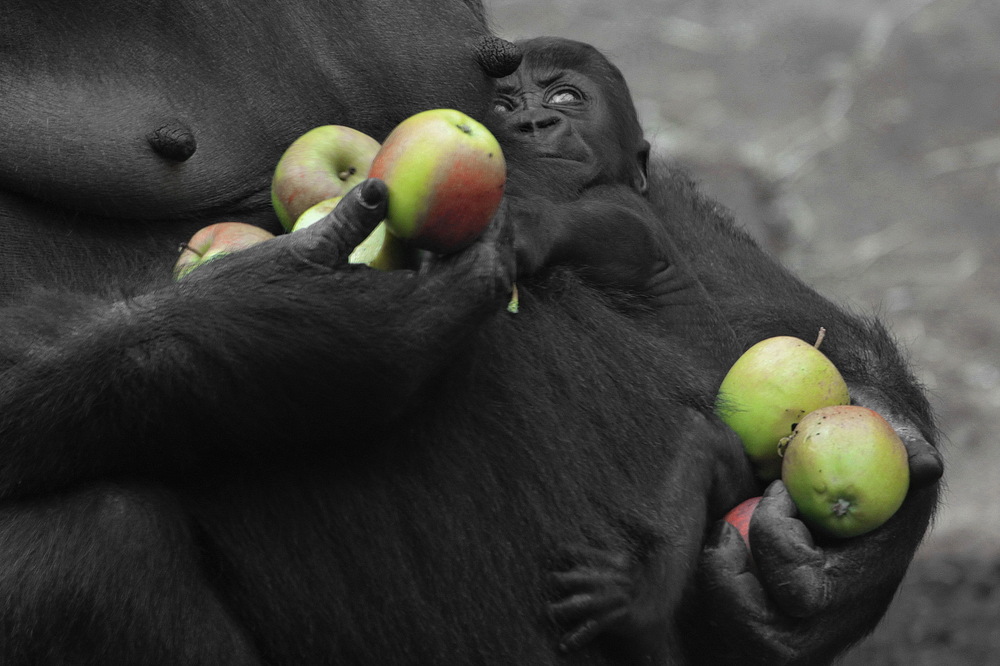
(446, 175)
(217, 240)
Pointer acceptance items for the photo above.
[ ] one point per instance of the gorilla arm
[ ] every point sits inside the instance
(809, 601)
(284, 336)
(605, 232)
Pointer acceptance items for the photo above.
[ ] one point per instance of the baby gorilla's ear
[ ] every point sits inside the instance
(641, 176)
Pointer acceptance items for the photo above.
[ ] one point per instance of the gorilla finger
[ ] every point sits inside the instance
(574, 609)
(489, 262)
(787, 558)
(354, 218)
(725, 554)
(585, 634)
(728, 583)
(926, 463)
(777, 537)
(499, 238)
(779, 499)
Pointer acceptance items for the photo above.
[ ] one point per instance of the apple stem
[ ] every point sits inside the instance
(819, 338)
(185, 246)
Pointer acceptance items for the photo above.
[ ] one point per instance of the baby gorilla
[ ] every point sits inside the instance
(570, 109)
(580, 197)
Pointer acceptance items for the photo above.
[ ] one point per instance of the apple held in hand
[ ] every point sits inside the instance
(740, 515)
(769, 389)
(215, 241)
(379, 250)
(846, 470)
(314, 214)
(323, 163)
(446, 174)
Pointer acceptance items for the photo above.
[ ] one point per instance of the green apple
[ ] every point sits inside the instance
(446, 174)
(215, 241)
(846, 469)
(769, 389)
(314, 214)
(323, 163)
(379, 250)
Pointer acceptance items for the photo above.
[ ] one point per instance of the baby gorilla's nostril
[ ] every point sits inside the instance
(545, 123)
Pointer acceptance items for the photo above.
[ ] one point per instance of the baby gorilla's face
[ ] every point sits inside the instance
(570, 115)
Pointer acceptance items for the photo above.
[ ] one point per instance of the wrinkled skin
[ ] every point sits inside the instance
(189, 473)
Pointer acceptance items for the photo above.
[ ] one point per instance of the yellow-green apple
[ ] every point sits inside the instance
(215, 241)
(769, 389)
(846, 469)
(379, 250)
(315, 213)
(740, 515)
(323, 163)
(446, 174)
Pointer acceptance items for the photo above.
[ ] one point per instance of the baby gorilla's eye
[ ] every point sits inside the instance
(565, 96)
(503, 105)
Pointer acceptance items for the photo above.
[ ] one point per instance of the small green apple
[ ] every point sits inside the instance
(217, 240)
(769, 389)
(323, 163)
(315, 213)
(379, 250)
(846, 469)
(446, 174)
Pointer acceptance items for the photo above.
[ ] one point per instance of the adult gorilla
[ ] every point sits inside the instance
(287, 460)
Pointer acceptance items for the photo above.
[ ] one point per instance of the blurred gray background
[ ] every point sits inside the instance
(858, 140)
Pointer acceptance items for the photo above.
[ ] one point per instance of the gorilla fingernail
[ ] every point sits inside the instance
(371, 193)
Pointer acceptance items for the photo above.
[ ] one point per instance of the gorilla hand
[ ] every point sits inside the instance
(803, 601)
(797, 601)
(331, 241)
(285, 327)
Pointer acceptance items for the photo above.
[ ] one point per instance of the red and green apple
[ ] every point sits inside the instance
(323, 163)
(216, 240)
(846, 469)
(446, 175)
(769, 389)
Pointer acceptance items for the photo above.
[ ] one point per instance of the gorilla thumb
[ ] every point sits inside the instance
(331, 240)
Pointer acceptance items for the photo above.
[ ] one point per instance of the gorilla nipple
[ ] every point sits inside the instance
(497, 56)
(173, 141)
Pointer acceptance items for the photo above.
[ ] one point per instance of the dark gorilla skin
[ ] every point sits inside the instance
(568, 113)
(284, 459)
(85, 85)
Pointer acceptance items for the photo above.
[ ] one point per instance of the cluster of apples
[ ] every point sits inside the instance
(844, 466)
(445, 173)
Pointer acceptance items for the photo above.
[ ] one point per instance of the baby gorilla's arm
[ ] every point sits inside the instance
(608, 233)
